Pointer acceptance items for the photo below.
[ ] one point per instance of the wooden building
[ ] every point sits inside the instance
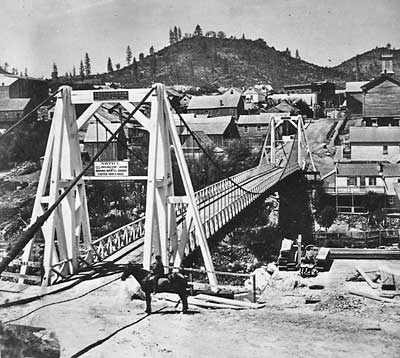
(375, 144)
(354, 97)
(19, 95)
(253, 127)
(228, 104)
(222, 131)
(97, 135)
(381, 101)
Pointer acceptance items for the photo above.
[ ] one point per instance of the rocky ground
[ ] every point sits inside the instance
(105, 323)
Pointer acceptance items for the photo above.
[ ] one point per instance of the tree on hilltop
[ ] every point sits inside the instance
(128, 55)
(221, 35)
(54, 73)
(88, 67)
(198, 31)
(109, 65)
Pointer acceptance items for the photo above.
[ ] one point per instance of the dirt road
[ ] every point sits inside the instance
(339, 326)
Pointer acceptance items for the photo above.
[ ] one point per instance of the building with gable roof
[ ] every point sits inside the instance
(226, 104)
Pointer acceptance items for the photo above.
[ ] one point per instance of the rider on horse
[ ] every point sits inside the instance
(158, 271)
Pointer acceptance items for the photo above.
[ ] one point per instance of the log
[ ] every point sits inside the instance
(195, 302)
(366, 278)
(229, 301)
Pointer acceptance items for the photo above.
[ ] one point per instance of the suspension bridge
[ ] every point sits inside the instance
(173, 226)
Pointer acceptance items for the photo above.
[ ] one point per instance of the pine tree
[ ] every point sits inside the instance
(198, 31)
(73, 71)
(6, 66)
(151, 51)
(135, 70)
(243, 37)
(82, 70)
(179, 34)
(171, 37)
(26, 72)
(297, 54)
(221, 35)
(54, 74)
(88, 68)
(109, 65)
(141, 56)
(288, 51)
(128, 55)
(175, 34)
(117, 66)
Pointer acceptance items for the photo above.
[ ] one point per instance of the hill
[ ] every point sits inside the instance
(369, 64)
(204, 61)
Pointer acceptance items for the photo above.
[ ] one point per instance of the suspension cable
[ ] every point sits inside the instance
(213, 161)
(28, 234)
(16, 124)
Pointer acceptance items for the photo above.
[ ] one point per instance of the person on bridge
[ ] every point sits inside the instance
(158, 271)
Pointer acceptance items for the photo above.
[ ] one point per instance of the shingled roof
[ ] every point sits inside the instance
(357, 169)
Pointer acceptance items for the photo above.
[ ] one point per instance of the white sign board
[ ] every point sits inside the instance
(111, 169)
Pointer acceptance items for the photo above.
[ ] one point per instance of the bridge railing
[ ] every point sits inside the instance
(218, 204)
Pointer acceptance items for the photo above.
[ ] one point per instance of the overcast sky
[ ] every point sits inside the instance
(36, 33)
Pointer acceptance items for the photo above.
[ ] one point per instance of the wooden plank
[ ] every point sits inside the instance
(366, 277)
(372, 297)
(228, 301)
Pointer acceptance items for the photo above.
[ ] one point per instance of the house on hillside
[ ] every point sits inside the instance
(253, 127)
(253, 98)
(354, 97)
(375, 144)
(18, 96)
(324, 91)
(226, 104)
(220, 130)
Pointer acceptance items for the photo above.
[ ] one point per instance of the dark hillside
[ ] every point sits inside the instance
(203, 61)
(369, 64)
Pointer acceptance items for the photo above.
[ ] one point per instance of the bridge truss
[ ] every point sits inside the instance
(173, 225)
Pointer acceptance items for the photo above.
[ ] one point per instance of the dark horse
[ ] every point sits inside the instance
(174, 283)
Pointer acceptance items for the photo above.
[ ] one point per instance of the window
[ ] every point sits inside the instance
(391, 200)
(362, 181)
(372, 181)
(351, 181)
(246, 129)
(385, 150)
(258, 128)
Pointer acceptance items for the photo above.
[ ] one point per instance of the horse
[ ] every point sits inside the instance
(174, 283)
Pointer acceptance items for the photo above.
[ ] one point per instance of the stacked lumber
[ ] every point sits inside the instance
(214, 302)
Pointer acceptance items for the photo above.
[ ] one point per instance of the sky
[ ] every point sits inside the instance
(36, 33)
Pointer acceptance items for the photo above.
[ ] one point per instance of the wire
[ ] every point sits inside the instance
(28, 234)
(62, 301)
(119, 140)
(16, 124)
(214, 162)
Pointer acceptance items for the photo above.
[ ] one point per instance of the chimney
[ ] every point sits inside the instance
(387, 64)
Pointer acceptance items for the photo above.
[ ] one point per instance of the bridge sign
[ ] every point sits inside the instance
(111, 169)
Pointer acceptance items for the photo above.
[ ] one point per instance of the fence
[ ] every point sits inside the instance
(358, 239)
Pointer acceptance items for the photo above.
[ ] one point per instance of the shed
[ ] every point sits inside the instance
(97, 135)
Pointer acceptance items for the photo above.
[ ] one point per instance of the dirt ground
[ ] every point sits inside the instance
(341, 325)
